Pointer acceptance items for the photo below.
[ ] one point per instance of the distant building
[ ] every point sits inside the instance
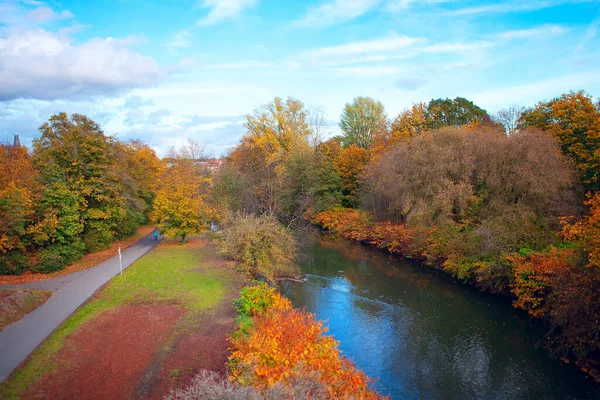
(212, 165)
(16, 141)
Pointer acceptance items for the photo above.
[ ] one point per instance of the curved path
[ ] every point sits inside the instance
(19, 339)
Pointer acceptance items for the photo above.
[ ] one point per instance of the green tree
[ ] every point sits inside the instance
(361, 121)
(457, 112)
(75, 162)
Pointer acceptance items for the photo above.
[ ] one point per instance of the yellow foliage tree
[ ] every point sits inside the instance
(181, 207)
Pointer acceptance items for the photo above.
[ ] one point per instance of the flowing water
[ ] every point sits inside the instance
(422, 336)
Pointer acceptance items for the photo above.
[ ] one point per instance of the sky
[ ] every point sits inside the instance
(165, 71)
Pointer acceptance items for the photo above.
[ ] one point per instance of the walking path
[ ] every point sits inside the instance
(19, 339)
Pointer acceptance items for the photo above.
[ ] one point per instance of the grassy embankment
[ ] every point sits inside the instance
(170, 274)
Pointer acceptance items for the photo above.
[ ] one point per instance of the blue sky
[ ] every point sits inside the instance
(165, 71)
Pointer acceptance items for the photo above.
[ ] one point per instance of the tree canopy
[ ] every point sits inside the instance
(361, 120)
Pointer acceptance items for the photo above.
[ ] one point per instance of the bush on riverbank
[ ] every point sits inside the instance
(284, 346)
(260, 245)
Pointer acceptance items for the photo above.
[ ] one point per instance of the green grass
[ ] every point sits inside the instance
(169, 274)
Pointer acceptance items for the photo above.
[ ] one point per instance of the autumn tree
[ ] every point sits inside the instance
(274, 132)
(181, 207)
(137, 168)
(574, 120)
(19, 195)
(361, 120)
(278, 126)
(484, 193)
(409, 123)
(310, 184)
(349, 165)
(331, 148)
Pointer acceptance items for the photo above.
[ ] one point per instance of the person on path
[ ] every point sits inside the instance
(155, 233)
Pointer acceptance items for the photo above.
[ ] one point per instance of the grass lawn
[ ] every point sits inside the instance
(16, 303)
(171, 273)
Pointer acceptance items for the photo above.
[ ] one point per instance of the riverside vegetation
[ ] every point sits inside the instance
(506, 202)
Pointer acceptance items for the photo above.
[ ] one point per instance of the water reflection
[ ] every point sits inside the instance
(423, 337)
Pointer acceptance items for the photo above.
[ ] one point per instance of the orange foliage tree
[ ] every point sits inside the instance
(19, 194)
(574, 120)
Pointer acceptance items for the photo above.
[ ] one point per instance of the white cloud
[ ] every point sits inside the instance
(44, 14)
(363, 71)
(239, 65)
(180, 40)
(513, 6)
(45, 65)
(542, 31)
(395, 6)
(588, 36)
(224, 9)
(365, 46)
(532, 92)
(392, 48)
(336, 12)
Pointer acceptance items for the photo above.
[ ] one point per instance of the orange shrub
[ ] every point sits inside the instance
(535, 276)
(288, 344)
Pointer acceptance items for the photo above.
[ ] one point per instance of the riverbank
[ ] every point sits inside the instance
(421, 335)
(550, 285)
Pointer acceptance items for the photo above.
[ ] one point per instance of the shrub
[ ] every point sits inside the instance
(254, 301)
(283, 353)
(260, 245)
(56, 257)
(12, 263)
(50, 260)
(257, 299)
(97, 239)
(209, 385)
(286, 345)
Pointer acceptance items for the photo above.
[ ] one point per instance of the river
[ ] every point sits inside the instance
(422, 336)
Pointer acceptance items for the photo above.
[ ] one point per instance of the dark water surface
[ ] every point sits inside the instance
(422, 336)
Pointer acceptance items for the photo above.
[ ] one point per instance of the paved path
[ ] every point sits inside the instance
(18, 340)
